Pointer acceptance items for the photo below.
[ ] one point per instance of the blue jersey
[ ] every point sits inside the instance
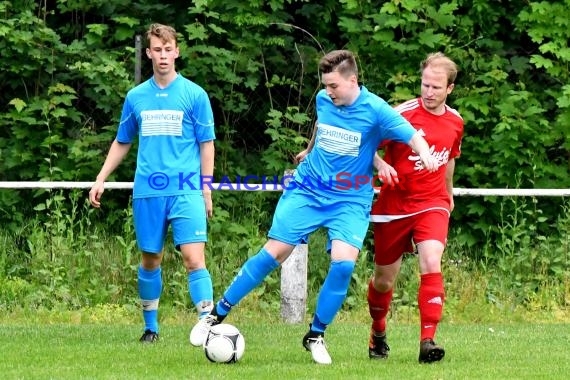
(341, 161)
(170, 124)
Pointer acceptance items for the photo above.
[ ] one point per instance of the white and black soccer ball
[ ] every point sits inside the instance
(224, 344)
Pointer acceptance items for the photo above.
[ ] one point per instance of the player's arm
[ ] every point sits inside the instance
(207, 152)
(421, 147)
(386, 172)
(449, 181)
(301, 155)
(397, 127)
(116, 154)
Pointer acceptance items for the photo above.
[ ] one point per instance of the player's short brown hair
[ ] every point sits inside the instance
(342, 61)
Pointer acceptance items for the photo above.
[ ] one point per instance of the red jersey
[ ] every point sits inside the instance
(418, 189)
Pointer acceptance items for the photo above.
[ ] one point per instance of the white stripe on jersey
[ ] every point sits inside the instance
(375, 218)
(337, 140)
(407, 106)
(415, 103)
(161, 123)
(453, 111)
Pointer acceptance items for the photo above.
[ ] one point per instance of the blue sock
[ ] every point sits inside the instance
(201, 292)
(150, 287)
(251, 274)
(332, 294)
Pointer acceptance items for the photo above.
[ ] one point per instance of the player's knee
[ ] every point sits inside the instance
(151, 261)
(343, 269)
(430, 264)
(383, 283)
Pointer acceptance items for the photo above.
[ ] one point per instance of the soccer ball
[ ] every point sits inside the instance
(224, 344)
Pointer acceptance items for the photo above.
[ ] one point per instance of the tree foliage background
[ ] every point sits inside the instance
(67, 64)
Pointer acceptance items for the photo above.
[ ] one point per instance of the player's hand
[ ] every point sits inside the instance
(95, 193)
(386, 172)
(208, 202)
(429, 162)
(300, 157)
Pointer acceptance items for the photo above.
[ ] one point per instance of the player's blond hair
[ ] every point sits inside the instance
(442, 61)
(164, 32)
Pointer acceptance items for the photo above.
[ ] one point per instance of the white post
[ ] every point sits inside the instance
(294, 279)
(294, 285)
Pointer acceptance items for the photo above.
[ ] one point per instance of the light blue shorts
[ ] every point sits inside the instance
(300, 212)
(186, 213)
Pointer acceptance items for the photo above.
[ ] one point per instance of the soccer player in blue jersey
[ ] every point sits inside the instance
(351, 124)
(173, 120)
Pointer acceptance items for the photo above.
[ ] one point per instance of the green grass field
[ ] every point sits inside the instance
(274, 351)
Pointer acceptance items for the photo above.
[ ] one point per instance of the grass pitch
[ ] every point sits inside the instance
(274, 351)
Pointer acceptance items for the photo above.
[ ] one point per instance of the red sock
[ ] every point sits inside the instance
(430, 302)
(378, 305)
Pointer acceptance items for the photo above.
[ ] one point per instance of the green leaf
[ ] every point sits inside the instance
(428, 38)
(540, 61)
(128, 21)
(216, 29)
(19, 104)
(196, 31)
(563, 101)
(520, 64)
(40, 207)
(123, 33)
(98, 29)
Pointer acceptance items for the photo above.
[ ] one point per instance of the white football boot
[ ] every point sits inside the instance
(200, 331)
(315, 343)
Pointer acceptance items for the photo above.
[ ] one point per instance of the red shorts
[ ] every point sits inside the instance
(393, 239)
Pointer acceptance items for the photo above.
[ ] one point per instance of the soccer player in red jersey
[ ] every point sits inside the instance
(414, 206)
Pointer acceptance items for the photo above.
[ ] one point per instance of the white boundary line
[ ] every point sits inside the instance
(277, 187)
